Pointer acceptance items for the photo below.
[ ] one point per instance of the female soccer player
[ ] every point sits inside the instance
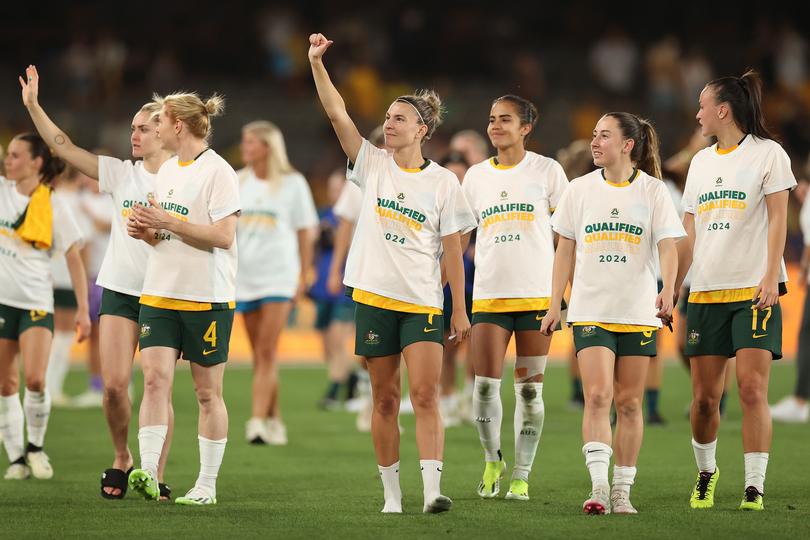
(32, 226)
(189, 290)
(613, 219)
(122, 270)
(412, 210)
(513, 196)
(276, 238)
(735, 201)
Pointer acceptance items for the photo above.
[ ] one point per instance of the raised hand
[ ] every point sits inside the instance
(30, 86)
(317, 46)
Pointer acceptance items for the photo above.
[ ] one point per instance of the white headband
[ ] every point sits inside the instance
(409, 102)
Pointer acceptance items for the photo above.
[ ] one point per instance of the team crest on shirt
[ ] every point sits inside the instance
(719, 181)
(614, 213)
(146, 330)
(504, 195)
(693, 338)
(169, 195)
(588, 331)
(372, 338)
(400, 196)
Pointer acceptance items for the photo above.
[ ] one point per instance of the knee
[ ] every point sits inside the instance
(705, 404)
(425, 397)
(35, 383)
(208, 397)
(116, 391)
(628, 406)
(752, 393)
(386, 403)
(155, 382)
(598, 398)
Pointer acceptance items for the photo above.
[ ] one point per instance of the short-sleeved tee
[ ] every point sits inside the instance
(404, 216)
(348, 204)
(804, 223)
(272, 214)
(616, 227)
(726, 194)
(71, 200)
(98, 209)
(124, 265)
(25, 271)
(514, 249)
(203, 192)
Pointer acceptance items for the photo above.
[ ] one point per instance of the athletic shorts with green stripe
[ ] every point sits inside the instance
(724, 329)
(621, 343)
(202, 337)
(15, 321)
(384, 332)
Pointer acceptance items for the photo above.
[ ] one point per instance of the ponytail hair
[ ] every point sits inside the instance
(744, 98)
(52, 166)
(193, 111)
(527, 111)
(645, 154)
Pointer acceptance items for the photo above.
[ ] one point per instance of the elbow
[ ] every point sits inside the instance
(225, 241)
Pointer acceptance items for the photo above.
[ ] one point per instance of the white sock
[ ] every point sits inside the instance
(529, 416)
(756, 464)
(150, 442)
(705, 455)
(488, 415)
(391, 492)
(431, 479)
(59, 362)
(623, 478)
(37, 407)
(211, 453)
(11, 426)
(597, 459)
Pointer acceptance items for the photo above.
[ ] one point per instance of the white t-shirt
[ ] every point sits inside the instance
(272, 215)
(804, 223)
(404, 216)
(124, 264)
(25, 272)
(203, 192)
(514, 246)
(349, 202)
(726, 194)
(70, 199)
(97, 208)
(616, 229)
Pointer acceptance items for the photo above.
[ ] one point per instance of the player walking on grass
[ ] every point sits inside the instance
(189, 290)
(735, 201)
(612, 220)
(33, 225)
(122, 270)
(513, 195)
(276, 235)
(412, 211)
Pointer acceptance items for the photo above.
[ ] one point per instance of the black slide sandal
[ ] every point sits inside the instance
(115, 478)
(165, 492)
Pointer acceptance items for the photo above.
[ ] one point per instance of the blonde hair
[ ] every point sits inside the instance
(428, 106)
(152, 108)
(278, 163)
(192, 111)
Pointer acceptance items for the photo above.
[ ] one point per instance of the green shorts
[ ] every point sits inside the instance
(723, 329)
(382, 332)
(120, 305)
(15, 321)
(515, 321)
(65, 299)
(621, 343)
(200, 336)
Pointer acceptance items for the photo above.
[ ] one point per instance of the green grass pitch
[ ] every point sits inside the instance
(325, 483)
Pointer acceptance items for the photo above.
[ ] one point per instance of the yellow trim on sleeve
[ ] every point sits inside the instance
(383, 302)
(722, 296)
(622, 328)
(183, 305)
(509, 305)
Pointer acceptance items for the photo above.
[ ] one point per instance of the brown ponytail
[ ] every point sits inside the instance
(645, 154)
(744, 98)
